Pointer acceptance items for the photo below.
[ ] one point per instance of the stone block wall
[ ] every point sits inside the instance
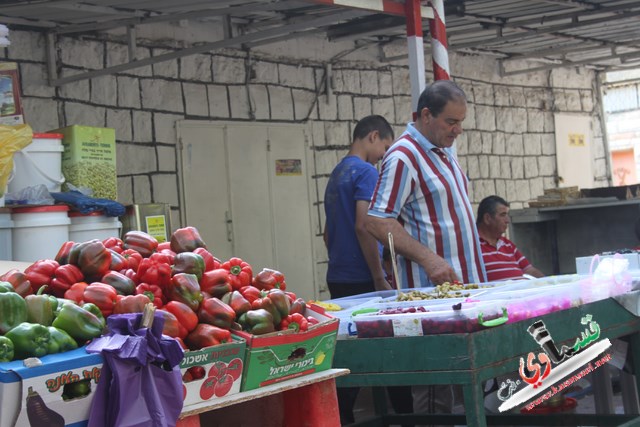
(508, 147)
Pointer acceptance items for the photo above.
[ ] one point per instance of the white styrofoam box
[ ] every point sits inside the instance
(583, 264)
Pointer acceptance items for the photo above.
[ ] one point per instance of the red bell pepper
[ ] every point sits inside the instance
(215, 282)
(133, 258)
(181, 342)
(185, 288)
(19, 281)
(131, 274)
(65, 276)
(122, 284)
(186, 317)
(153, 292)
(163, 245)
(210, 262)
(114, 243)
(291, 295)
(240, 273)
(251, 293)
(154, 272)
(269, 279)
(92, 258)
(237, 302)
(62, 257)
(40, 273)
(76, 292)
(102, 295)
(312, 320)
(205, 335)
(298, 306)
(295, 321)
(163, 257)
(186, 240)
(130, 303)
(118, 261)
(140, 241)
(215, 312)
(171, 326)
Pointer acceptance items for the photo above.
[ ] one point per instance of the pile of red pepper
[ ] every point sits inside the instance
(201, 298)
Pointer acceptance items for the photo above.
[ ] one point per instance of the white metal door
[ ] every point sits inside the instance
(205, 185)
(263, 213)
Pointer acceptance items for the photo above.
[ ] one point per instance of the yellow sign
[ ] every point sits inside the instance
(157, 227)
(576, 140)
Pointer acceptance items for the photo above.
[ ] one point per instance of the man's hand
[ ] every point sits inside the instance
(439, 271)
(382, 285)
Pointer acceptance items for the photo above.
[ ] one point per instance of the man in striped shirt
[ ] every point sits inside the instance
(421, 199)
(501, 257)
(421, 196)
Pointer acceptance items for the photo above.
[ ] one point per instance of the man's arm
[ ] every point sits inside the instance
(435, 266)
(369, 247)
(532, 271)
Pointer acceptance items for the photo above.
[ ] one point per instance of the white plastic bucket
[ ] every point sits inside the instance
(95, 225)
(39, 163)
(39, 232)
(5, 235)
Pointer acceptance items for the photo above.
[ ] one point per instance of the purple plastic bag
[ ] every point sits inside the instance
(140, 383)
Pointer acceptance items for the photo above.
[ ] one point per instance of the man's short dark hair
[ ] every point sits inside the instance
(489, 205)
(436, 95)
(368, 124)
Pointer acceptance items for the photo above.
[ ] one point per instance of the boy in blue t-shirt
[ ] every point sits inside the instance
(354, 254)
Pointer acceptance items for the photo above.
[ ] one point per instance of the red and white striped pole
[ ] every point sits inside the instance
(439, 41)
(416, 51)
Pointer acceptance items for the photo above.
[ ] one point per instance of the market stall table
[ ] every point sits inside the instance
(470, 359)
(305, 401)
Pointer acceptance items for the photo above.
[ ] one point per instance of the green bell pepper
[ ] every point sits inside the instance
(6, 287)
(188, 262)
(29, 340)
(13, 311)
(257, 322)
(82, 323)
(41, 308)
(60, 341)
(6, 349)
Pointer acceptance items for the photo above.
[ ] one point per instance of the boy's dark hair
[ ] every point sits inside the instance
(489, 205)
(436, 95)
(370, 123)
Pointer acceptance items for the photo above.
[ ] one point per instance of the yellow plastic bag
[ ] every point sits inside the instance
(12, 139)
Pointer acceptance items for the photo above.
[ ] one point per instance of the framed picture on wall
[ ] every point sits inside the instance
(10, 105)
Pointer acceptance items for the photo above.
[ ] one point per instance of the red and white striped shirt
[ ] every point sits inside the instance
(503, 261)
(425, 189)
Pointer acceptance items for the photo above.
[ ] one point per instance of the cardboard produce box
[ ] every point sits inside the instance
(212, 372)
(89, 159)
(283, 355)
(57, 392)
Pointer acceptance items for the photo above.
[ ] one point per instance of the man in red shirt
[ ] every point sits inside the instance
(502, 259)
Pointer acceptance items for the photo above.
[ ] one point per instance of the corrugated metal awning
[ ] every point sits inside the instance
(602, 34)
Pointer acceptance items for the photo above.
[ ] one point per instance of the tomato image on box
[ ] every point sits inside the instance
(212, 373)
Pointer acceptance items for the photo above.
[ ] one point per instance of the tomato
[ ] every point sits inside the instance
(218, 369)
(207, 390)
(234, 368)
(223, 386)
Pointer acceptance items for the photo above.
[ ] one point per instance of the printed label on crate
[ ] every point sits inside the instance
(157, 227)
(212, 372)
(407, 327)
(60, 398)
